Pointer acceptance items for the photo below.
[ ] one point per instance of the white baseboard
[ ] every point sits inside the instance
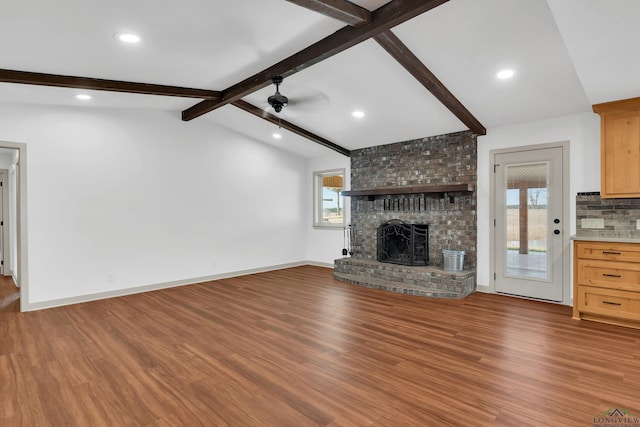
(484, 289)
(320, 264)
(41, 305)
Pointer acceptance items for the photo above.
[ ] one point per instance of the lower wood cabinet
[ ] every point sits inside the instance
(607, 282)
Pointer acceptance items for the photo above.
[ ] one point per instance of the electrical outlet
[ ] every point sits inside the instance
(597, 223)
(637, 224)
(213, 264)
(110, 278)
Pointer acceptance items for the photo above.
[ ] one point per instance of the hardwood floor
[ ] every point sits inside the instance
(9, 296)
(297, 348)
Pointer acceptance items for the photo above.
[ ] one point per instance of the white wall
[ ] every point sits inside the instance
(583, 133)
(142, 198)
(120, 199)
(325, 245)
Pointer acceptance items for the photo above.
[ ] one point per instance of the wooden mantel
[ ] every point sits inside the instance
(415, 189)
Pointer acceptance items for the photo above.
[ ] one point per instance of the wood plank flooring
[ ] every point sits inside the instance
(297, 348)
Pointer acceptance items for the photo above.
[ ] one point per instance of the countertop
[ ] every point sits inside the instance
(632, 236)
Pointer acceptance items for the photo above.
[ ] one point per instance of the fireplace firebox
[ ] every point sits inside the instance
(402, 243)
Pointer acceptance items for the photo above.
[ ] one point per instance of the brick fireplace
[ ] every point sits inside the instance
(429, 181)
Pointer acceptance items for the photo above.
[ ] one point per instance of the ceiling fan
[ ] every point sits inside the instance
(309, 101)
(278, 101)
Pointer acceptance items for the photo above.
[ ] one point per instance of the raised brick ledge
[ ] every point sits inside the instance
(427, 281)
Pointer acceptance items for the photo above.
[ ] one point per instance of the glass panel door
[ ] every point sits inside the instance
(528, 233)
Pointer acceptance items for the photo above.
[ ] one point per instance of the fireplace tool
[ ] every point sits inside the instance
(345, 239)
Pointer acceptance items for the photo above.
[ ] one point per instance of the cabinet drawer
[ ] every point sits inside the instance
(626, 252)
(608, 274)
(608, 302)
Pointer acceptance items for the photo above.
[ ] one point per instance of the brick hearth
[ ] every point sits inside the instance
(422, 281)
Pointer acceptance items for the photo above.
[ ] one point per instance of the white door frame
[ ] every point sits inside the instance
(566, 242)
(22, 279)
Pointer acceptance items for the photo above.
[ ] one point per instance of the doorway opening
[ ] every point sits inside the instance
(13, 219)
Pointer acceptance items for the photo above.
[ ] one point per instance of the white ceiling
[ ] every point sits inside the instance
(567, 54)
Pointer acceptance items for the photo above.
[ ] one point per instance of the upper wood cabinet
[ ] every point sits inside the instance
(619, 148)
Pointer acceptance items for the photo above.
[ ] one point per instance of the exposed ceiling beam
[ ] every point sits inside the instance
(342, 10)
(401, 53)
(383, 19)
(41, 79)
(256, 111)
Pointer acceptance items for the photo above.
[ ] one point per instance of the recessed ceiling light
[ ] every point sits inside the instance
(276, 135)
(357, 114)
(83, 97)
(505, 74)
(127, 37)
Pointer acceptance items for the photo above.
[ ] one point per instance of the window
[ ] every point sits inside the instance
(328, 199)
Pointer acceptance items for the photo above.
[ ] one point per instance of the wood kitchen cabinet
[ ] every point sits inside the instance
(619, 148)
(607, 282)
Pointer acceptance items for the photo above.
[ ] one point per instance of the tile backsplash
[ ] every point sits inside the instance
(619, 215)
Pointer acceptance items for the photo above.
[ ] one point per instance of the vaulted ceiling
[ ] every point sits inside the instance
(566, 54)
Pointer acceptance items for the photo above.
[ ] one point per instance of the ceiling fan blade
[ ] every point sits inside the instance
(310, 101)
